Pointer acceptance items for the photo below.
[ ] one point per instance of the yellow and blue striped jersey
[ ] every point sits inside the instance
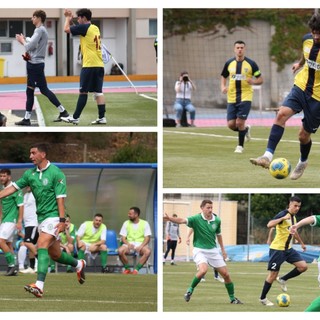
(283, 238)
(308, 78)
(238, 73)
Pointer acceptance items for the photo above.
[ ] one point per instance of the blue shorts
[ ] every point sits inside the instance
(278, 257)
(298, 100)
(35, 75)
(91, 79)
(238, 110)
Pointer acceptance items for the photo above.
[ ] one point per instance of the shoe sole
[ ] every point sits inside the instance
(34, 291)
(255, 162)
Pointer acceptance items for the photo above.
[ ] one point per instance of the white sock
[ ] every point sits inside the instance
(61, 108)
(40, 284)
(22, 254)
(27, 115)
(268, 154)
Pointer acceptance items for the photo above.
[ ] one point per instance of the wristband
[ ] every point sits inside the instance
(62, 220)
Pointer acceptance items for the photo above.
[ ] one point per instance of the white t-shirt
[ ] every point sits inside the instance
(29, 214)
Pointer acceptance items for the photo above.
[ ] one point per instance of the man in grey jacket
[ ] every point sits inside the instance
(36, 48)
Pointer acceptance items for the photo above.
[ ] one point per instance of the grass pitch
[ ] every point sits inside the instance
(100, 292)
(248, 278)
(122, 109)
(205, 158)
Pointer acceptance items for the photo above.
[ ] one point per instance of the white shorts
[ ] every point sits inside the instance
(7, 231)
(93, 255)
(212, 257)
(49, 226)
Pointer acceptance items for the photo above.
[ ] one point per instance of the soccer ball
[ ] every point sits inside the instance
(280, 168)
(283, 300)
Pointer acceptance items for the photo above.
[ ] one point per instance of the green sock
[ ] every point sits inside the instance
(126, 266)
(194, 283)
(9, 258)
(230, 289)
(67, 259)
(139, 266)
(43, 262)
(52, 264)
(104, 258)
(81, 254)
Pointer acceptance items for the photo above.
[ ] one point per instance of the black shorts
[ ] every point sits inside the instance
(298, 100)
(31, 234)
(278, 257)
(35, 75)
(91, 79)
(238, 110)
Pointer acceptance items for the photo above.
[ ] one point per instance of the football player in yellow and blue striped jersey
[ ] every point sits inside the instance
(92, 72)
(281, 250)
(242, 73)
(304, 96)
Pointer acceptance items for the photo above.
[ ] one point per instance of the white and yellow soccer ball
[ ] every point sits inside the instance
(280, 168)
(283, 300)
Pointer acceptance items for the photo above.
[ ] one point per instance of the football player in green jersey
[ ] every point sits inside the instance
(11, 219)
(207, 228)
(48, 185)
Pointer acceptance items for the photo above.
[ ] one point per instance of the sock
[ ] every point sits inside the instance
(9, 258)
(27, 115)
(139, 266)
(101, 110)
(32, 262)
(241, 136)
(43, 262)
(216, 274)
(52, 264)
(67, 259)
(291, 274)
(104, 257)
(61, 108)
(275, 136)
(22, 255)
(305, 150)
(194, 283)
(230, 289)
(126, 266)
(50, 95)
(81, 254)
(265, 290)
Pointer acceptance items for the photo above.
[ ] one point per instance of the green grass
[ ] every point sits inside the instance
(122, 109)
(248, 279)
(100, 292)
(205, 158)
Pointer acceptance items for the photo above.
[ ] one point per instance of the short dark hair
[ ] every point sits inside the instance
(84, 13)
(204, 202)
(136, 210)
(314, 22)
(6, 170)
(295, 198)
(42, 147)
(98, 215)
(239, 42)
(40, 14)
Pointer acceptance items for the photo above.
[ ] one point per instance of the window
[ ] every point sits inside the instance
(15, 27)
(3, 28)
(5, 47)
(153, 31)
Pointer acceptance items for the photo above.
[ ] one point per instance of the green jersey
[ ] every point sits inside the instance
(10, 207)
(46, 185)
(204, 231)
(316, 221)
